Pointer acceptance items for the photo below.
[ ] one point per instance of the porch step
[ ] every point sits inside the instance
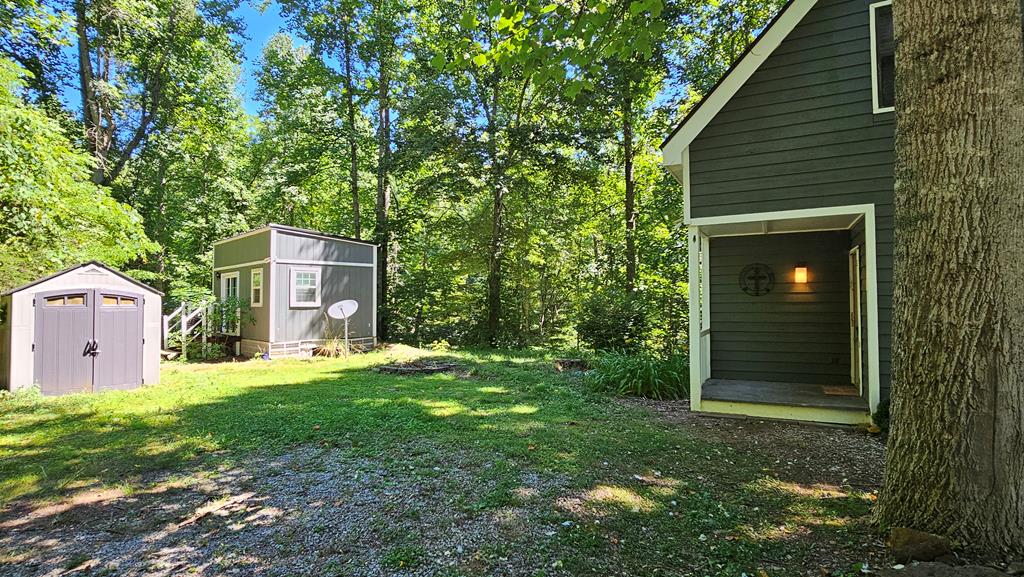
(844, 398)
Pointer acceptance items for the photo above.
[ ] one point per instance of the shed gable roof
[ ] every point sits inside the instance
(738, 74)
(91, 263)
(295, 230)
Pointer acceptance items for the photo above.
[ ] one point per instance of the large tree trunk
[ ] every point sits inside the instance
(495, 251)
(91, 118)
(955, 462)
(353, 147)
(627, 151)
(382, 232)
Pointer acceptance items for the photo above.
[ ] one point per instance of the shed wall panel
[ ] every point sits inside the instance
(337, 283)
(257, 325)
(251, 248)
(296, 246)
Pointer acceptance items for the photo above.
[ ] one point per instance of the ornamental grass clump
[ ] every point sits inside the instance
(641, 375)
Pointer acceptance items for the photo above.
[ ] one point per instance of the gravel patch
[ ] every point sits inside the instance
(310, 511)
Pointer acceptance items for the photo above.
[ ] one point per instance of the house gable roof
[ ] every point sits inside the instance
(738, 74)
(93, 263)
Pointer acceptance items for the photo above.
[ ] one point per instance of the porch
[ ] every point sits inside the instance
(784, 308)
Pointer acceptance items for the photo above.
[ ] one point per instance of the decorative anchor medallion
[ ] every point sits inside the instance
(757, 279)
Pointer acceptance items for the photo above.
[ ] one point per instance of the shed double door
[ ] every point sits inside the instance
(87, 340)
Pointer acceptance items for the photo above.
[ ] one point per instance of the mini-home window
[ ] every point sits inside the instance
(256, 288)
(305, 287)
(883, 57)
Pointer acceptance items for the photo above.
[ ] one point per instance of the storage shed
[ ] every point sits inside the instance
(86, 328)
(289, 277)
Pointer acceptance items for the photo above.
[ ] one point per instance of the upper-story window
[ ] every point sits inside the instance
(883, 57)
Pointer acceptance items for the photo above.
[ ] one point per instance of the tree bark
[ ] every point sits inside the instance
(627, 151)
(382, 232)
(353, 147)
(91, 118)
(955, 462)
(495, 251)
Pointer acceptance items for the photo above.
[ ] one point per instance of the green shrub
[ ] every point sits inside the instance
(641, 375)
(614, 320)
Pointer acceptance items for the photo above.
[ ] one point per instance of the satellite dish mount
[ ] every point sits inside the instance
(343, 310)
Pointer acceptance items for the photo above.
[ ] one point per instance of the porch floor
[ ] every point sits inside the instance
(791, 394)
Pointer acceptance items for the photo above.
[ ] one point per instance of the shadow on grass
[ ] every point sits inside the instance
(562, 480)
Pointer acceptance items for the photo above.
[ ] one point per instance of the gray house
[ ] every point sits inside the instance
(787, 166)
(87, 328)
(290, 276)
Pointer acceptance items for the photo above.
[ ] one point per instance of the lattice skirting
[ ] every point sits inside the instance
(251, 348)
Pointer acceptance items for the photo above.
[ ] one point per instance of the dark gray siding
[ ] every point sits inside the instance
(801, 134)
(338, 283)
(797, 333)
(246, 249)
(259, 327)
(296, 246)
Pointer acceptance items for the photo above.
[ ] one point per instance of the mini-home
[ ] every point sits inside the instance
(287, 278)
(787, 168)
(87, 328)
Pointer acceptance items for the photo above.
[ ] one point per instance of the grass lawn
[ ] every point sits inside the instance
(611, 489)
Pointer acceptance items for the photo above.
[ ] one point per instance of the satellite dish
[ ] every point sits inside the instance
(343, 309)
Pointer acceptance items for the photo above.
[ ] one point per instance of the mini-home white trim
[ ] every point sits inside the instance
(271, 324)
(241, 265)
(874, 60)
(253, 301)
(375, 288)
(324, 262)
(293, 272)
(699, 372)
(223, 296)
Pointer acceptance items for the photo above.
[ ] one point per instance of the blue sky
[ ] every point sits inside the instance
(259, 27)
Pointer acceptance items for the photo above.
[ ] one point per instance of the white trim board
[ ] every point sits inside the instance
(865, 211)
(241, 265)
(874, 60)
(323, 262)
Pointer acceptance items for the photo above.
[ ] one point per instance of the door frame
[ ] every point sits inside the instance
(756, 224)
(856, 322)
(223, 292)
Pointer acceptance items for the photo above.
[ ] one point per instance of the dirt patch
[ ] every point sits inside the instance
(800, 453)
(421, 367)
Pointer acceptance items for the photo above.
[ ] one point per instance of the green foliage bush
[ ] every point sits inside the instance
(641, 375)
(614, 320)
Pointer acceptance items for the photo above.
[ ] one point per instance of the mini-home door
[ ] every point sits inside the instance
(87, 340)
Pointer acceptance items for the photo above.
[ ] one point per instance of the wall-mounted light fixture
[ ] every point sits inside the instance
(800, 274)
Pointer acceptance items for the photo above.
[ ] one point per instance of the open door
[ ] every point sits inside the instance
(856, 332)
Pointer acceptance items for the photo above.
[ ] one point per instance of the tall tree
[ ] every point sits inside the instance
(136, 62)
(954, 462)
